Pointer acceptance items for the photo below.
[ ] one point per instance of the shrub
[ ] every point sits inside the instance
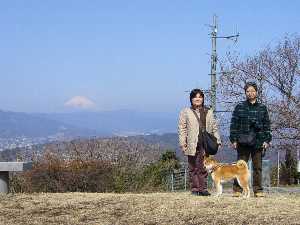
(53, 174)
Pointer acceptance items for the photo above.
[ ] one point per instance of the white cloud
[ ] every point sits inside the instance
(80, 102)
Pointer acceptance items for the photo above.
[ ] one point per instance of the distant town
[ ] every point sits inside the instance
(23, 141)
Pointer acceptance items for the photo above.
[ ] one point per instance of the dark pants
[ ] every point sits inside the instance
(244, 153)
(197, 171)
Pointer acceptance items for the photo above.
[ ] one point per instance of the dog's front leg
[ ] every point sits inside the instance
(247, 191)
(218, 187)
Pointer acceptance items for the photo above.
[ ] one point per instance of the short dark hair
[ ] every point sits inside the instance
(250, 84)
(194, 93)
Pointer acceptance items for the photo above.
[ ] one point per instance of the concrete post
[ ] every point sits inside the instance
(4, 182)
(6, 167)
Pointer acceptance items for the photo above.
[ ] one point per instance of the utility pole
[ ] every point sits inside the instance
(213, 70)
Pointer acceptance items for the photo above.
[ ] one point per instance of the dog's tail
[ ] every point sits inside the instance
(242, 164)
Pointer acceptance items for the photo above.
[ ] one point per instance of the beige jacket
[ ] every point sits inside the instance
(188, 129)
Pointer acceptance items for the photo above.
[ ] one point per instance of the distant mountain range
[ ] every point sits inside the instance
(110, 123)
(119, 123)
(15, 124)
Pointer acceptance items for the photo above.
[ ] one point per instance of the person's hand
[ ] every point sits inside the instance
(183, 147)
(265, 145)
(234, 145)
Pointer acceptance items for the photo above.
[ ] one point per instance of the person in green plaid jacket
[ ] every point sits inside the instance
(250, 118)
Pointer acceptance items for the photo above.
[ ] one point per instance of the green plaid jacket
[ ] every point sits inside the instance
(247, 117)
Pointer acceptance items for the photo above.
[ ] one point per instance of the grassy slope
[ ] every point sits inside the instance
(150, 209)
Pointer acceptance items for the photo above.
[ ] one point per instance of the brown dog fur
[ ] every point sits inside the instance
(225, 172)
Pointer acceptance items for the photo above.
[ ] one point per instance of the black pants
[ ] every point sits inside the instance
(244, 153)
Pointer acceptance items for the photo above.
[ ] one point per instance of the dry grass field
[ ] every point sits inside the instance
(147, 209)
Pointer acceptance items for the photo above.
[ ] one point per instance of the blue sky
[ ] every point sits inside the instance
(138, 55)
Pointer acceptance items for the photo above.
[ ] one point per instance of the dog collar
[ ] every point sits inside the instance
(214, 168)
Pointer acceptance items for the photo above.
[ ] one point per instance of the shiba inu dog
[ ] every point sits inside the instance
(225, 172)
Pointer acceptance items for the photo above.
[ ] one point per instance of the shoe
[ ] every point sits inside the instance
(204, 193)
(237, 194)
(196, 193)
(259, 195)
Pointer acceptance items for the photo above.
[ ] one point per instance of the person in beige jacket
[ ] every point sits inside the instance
(190, 139)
